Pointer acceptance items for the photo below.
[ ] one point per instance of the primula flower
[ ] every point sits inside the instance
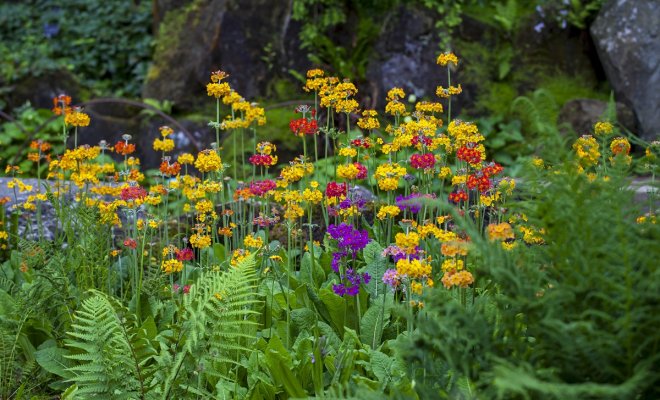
(603, 128)
(620, 145)
(170, 169)
(260, 188)
(447, 58)
(185, 254)
(61, 104)
(350, 285)
(263, 160)
(469, 154)
(422, 161)
(458, 196)
(124, 148)
(478, 181)
(303, 126)
(500, 232)
(349, 238)
(172, 265)
(335, 189)
(208, 161)
(77, 118)
(133, 193)
(461, 279)
(388, 211)
(164, 145)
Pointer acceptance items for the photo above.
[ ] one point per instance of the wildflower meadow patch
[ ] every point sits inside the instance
(392, 258)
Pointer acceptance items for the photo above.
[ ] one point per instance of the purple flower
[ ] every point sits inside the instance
(391, 278)
(409, 203)
(348, 238)
(351, 283)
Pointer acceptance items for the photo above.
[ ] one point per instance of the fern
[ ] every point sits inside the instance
(217, 330)
(113, 353)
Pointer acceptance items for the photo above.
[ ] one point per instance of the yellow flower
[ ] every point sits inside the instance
(388, 211)
(207, 161)
(603, 128)
(163, 145)
(446, 58)
(239, 255)
(499, 232)
(200, 241)
(77, 118)
(388, 176)
(171, 266)
(312, 196)
(218, 90)
(413, 268)
(186, 158)
(461, 279)
(586, 148)
(452, 264)
(428, 107)
(407, 242)
(252, 241)
(395, 93)
(347, 152)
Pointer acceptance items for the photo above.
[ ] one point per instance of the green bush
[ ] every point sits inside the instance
(107, 44)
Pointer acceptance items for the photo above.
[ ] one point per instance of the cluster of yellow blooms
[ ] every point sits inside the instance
(388, 176)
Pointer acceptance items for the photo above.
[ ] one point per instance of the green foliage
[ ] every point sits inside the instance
(107, 44)
(331, 40)
(14, 137)
(111, 350)
(570, 319)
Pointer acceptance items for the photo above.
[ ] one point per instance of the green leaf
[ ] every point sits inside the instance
(336, 306)
(53, 359)
(279, 364)
(219, 252)
(374, 321)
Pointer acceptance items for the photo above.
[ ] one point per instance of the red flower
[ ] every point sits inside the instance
(335, 189)
(185, 254)
(362, 171)
(359, 142)
(478, 181)
(423, 139)
(469, 154)
(422, 161)
(132, 193)
(259, 188)
(303, 126)
(492, 169)
(262, 159)
(458, 196)
(130, 243)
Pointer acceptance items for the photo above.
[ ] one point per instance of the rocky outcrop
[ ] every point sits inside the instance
(627, 36)
(404, 56)
(582, 114)
(241, 37)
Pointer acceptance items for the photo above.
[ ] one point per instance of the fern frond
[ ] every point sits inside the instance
(112, 351)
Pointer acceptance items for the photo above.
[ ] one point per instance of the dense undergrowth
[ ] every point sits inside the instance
(390, 259)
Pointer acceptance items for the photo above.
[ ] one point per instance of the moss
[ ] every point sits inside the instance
(497, 98)
(169, 35)
(564, 88)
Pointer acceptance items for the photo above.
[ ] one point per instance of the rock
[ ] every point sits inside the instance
(404, 56)
(627, 37)
(582, 114)
(207, 35)
(40, 90)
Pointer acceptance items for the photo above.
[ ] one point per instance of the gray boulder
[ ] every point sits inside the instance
(627, 38)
